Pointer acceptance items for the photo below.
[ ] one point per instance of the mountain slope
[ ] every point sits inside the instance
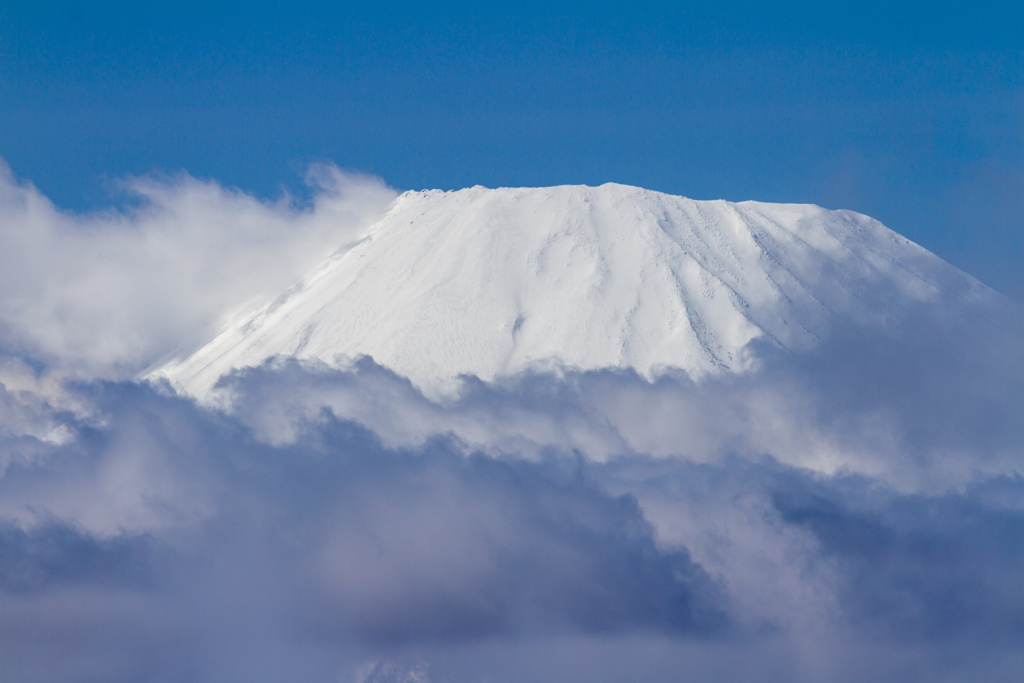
(491, 282)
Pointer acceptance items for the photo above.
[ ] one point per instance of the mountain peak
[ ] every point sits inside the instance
(490, 282)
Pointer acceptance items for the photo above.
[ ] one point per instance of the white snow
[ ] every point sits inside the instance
(490, 282)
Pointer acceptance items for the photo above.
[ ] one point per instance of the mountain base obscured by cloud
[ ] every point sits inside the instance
(851, 513)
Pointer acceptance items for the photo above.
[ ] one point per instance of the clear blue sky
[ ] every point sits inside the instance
(912, 113)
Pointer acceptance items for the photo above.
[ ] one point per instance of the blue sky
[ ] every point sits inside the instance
(912, 113)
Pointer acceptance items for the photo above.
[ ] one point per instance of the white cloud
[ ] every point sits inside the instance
(106, 294)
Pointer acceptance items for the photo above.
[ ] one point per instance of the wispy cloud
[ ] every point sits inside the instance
(105, 294)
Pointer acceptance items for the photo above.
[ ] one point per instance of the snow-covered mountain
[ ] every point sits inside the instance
(490, 282)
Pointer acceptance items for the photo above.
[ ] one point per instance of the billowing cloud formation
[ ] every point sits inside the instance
(171, 542)
(106, 294)
(852, 513)
(170, 519)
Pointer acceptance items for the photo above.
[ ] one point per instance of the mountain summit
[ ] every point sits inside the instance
(490, 282)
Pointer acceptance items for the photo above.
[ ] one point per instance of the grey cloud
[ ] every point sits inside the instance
(332, 543)
(922, 567)
(883, 585)
(32, 561)
(332, 554)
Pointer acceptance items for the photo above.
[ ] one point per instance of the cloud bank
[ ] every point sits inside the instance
(172, 543)
(852, 513)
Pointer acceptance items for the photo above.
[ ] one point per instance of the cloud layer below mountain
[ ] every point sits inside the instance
(851, 513)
